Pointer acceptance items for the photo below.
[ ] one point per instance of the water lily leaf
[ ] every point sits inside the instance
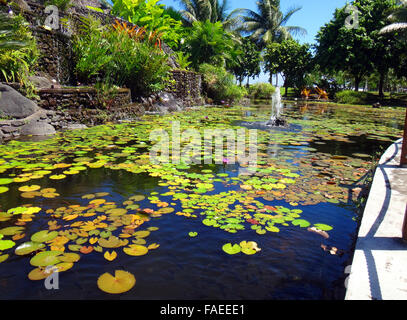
(3, 257)
(28, 247)
(111, 242)
(193, 234)
(137, 198)
(86, 250)
(110, 256)
(57, 177)
(11, 231)
(135, 250)
(41, 273)
(3, 189)
(45, 258)
(69, 257)
(5, 181)
(44, 236)
(74, 247)
(121, 282)
(141, 234)
(29, 188)
(6, 244)
(301, 222)
(231, 249)
(153, 246)
(320, 226)
(63, 266)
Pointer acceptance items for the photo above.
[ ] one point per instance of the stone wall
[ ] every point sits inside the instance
(81, 98)
(187, 86)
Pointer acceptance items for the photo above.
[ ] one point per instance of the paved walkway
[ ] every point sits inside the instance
(379, 267)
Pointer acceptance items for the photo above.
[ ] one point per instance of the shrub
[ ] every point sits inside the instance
(353, 97)
(261, 90)
(114, 57)
(18, 51)
(62, 5)
(219, 85)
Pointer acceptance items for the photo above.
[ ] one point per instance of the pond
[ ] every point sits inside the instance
(91, 202)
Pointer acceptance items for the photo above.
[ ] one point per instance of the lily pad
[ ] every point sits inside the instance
(135, 250)
(231, 249)
(121, 282)
(44, 236)
(45, 258)
(28, 247)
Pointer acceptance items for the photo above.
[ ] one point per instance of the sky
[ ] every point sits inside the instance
(313, 15)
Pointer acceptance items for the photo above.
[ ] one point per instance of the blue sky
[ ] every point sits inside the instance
(313, 15)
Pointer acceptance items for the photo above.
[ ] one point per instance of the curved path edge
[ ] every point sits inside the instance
(378, 270)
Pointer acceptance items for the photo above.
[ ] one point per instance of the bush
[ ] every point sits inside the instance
(219, 85)
(261, 90)
(18, 52)
(353, 97)
(114, 57)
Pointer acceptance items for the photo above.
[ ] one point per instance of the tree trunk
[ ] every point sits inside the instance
(248, 84)
(381, 85)
(357, 83)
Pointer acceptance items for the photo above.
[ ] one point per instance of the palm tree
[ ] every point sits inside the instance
(268, 24)
(211, 10)
(399, 19)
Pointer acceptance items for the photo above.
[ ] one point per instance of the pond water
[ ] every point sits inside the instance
(94, 191)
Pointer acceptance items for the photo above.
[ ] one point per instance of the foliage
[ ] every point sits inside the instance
(353, 97)
(112, 55)
(18, 51)
(290, 58)
(212, 10)
(261, 90)
(361, 50)
(268, 24)
(249, 60)
(152, 16)
(183, 60)
(62, 5)
(219, 84)
(208, 42)
(398, 17)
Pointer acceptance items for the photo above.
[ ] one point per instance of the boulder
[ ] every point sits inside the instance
(41, 82)
(14, 105)
(37, 128)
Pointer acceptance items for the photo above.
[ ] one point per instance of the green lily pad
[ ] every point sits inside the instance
(46, 258)
(301, 222)
(11, 231)
(28, 247)
(6, 244)
(323, 227)
(193, 234)
(44, 236)
(231, 249)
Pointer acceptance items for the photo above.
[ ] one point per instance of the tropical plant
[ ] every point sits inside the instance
(268, 24)
(183, 59)
(212, 10)
(113, 56)
(18, 51)
(208, 42)
(219, 84)
(261, 90)
(399, 19)
(62, 5)
(152, 16)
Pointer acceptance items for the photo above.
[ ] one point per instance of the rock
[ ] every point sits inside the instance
(15, 105)
(76, 126)
(37, 128)
(41, 82)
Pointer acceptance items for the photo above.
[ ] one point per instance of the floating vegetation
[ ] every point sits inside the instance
(294, 170)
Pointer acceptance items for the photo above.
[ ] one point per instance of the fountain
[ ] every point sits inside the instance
(276, 108)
